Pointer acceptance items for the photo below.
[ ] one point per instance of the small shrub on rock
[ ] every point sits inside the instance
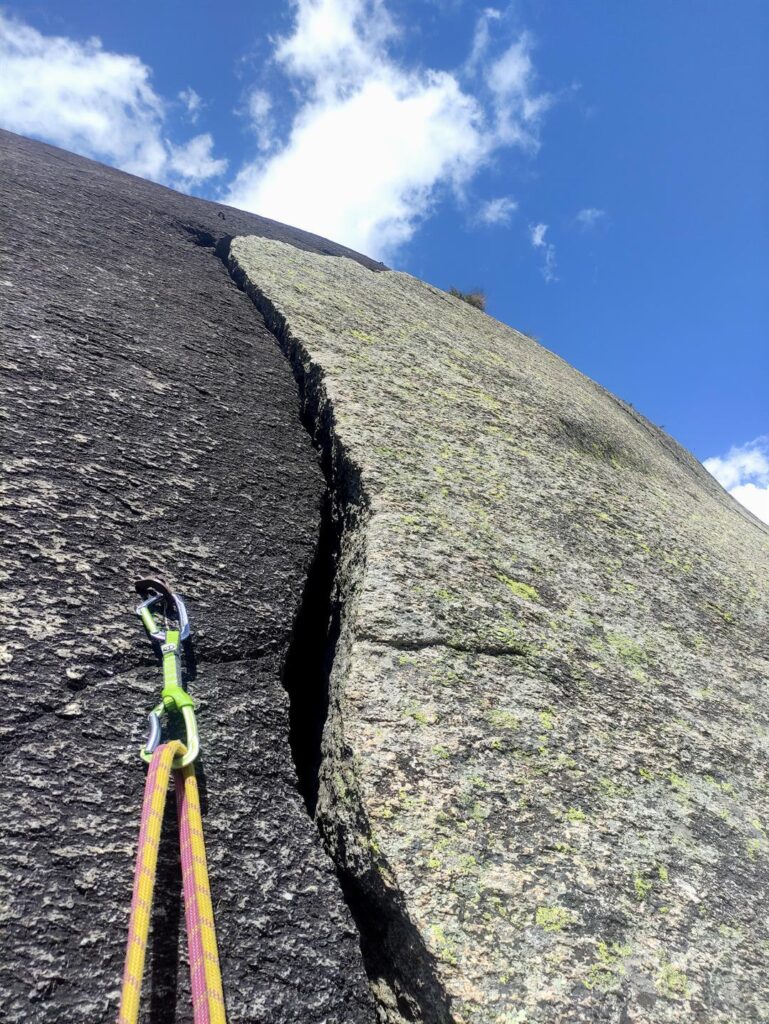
(474, 298)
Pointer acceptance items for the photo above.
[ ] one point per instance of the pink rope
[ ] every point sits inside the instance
(194, 938)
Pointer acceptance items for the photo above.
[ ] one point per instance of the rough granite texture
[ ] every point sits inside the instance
(149, 422)
(547, 745)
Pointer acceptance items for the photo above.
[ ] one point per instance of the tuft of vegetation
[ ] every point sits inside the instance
(475, 298)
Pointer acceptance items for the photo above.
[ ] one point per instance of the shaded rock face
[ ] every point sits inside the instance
(150, 423)
(546, 750)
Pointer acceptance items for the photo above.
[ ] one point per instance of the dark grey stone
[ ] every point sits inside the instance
(151, 424)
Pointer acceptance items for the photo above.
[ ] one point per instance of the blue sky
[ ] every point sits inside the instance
(599, 169)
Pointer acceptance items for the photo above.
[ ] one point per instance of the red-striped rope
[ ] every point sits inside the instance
(206, 981)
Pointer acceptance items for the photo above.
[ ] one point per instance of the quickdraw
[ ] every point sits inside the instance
(163, 758)
(168, 642)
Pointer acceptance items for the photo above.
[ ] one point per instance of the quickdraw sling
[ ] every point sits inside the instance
(176, 757)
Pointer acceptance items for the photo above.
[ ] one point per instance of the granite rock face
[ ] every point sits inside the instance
(150, 424)
(547, 743)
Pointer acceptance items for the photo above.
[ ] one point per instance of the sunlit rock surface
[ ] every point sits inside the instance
(150, 423)
(546, 753)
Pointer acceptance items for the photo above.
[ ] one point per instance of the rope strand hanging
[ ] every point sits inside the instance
(164, 758)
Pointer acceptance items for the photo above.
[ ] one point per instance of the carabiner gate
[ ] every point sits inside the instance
(192, 739)
(157, 592)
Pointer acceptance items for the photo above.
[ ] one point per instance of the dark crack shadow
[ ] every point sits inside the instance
(401, 969)
(308, 663)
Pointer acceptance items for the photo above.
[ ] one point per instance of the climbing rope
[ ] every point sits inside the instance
(205, 975)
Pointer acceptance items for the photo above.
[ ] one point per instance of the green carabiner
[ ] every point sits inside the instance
(173, 698)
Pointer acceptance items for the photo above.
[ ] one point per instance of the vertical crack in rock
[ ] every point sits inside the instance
(308, 661)
(400, 968)
(152, 427)
(537, 734)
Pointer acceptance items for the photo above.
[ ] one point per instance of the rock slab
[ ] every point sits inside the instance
(151, 424)
(546, 751)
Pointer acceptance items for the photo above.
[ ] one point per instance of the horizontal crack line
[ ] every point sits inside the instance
(404, 644)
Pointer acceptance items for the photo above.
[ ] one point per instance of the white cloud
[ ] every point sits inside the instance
(373, 141)
(194, 162)
(754, 498)
(337, 43)
(497, 211)
(257, 110)
(590, 216)
(373, 145)
(537, 234)
(192, 102)
(258, 106)
(519, 109)
(744, 472)
(482, 37)
(101, 104)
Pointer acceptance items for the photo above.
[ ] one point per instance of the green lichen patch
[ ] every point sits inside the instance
(575, 814)
(553, 918)
(628, 649)
(642, 887)
(444, 946)
(519, 589)
(671, 982)
(608, 969)
(546, 719)
(501, 719)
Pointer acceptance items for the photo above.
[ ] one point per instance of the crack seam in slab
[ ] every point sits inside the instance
(401, 969)
(490, 650)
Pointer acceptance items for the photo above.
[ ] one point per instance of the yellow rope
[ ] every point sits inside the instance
(201, 931)
(206, 981)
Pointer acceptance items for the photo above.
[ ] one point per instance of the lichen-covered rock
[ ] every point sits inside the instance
(547, 747)
(150, 423)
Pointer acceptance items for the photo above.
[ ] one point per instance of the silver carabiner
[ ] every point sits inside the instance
(148, 619)
(155, 733)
